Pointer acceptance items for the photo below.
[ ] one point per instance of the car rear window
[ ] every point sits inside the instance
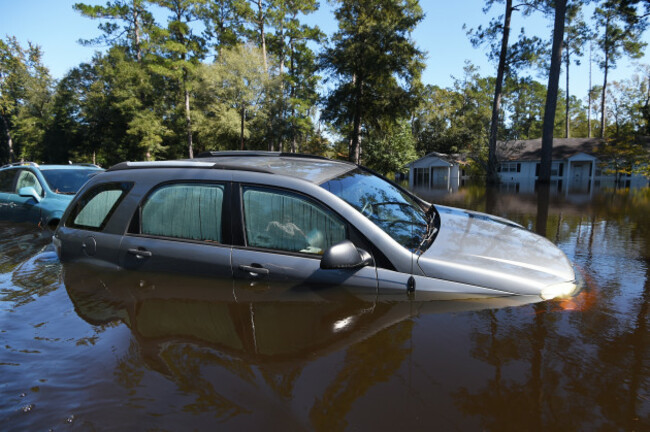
(7, 180)
(191, 211)
(93, 210)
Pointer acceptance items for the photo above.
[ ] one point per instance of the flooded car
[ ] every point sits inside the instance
(39, 194)
(305, 221)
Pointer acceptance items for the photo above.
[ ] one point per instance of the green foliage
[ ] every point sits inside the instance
(153, 94)
(624, 156)
(25, 99)
(388, 149)
(224, 22)
(628, 102)
(457, 119)
(619, 32)
(235, 95)
(135, 19)
(291, 124)
(375, 63)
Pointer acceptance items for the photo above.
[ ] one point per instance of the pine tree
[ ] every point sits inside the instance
(179, 52)
(619, 31)
(375, 64)
(509, 59)
(137, 21)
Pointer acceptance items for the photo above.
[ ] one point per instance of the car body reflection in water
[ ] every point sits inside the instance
(242, 320)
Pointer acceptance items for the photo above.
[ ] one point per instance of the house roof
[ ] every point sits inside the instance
(531, 150)
(452, 159)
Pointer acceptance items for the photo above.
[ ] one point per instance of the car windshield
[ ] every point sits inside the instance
(67, 181)
(388, 207)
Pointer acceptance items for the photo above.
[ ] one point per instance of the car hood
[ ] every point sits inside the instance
(491, 252)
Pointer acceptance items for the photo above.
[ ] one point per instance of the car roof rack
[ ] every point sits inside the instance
(26, 163)
(185, 164)
(86, 164)
(255, 153)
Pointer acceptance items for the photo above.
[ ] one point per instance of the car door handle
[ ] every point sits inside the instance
(255, 269)
(140, 253)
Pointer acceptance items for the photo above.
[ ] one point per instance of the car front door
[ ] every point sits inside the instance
(180, 228)
(284, 237)
(25, 208)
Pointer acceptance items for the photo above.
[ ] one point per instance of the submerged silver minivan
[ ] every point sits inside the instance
(307, 222)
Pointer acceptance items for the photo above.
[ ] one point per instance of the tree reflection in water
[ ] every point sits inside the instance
(583, 363)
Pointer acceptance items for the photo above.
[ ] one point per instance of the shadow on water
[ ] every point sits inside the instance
(90, 349)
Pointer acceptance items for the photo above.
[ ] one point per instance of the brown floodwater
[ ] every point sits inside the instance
(87, 349)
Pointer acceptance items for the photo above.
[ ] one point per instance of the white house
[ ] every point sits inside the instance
(575, 167)
(437, 171)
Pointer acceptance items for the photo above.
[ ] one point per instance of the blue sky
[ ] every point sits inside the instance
(56, 27)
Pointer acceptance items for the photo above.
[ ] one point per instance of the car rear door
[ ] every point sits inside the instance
(180, 227)
(7, 177)
(89, 232)
(282, 236)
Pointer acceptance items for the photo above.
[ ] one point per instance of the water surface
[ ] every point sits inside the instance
(87, 349)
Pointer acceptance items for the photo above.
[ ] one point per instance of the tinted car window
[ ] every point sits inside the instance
(94, 208)
(26, 179)
(67, 181)
(188, 211)
(7, 180)
(280, 220)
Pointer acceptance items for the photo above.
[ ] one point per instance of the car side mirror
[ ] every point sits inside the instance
(345, 255)
(29, 192)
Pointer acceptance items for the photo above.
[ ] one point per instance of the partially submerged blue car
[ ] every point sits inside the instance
(39, 194)
(306, 222)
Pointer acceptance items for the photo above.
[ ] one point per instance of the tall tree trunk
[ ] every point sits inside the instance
(355, 144)
(243, 121)
(188, 119)
(567, 115)
(136, 30)
(589, 95)
(355, 141)
(492, 175)
(551, 94)
(605, 70)
(10, 143)
(261, 18)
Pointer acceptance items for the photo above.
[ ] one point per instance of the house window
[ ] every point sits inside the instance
(557, 169)
(509, 167)
(421, 177)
